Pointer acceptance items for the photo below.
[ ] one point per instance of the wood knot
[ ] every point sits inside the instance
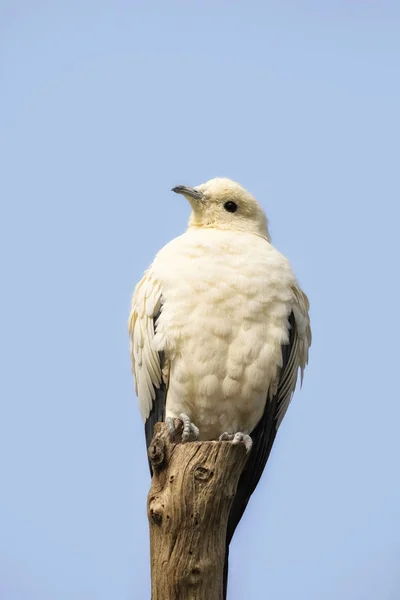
(156, 452)
(202, 474)
(156, 516)
(194, 577)
(156, 509)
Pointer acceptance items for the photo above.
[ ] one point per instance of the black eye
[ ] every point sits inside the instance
(230, 206)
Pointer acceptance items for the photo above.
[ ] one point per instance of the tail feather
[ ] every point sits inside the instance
(226, 570)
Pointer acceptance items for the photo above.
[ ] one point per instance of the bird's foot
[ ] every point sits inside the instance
(189, 431)
(236, 438)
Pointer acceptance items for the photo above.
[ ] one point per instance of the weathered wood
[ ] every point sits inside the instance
(188, 506)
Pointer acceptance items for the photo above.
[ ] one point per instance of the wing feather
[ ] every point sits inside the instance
(146, 364)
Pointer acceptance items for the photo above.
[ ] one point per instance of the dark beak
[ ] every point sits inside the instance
(188, 192)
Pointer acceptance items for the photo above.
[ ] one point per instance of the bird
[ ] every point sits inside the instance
(220, 331)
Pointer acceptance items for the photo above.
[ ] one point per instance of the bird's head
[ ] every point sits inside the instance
(224, 204)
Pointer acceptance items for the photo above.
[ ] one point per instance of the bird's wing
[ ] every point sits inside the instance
(149, 370)
(297, 352)
(294, 357)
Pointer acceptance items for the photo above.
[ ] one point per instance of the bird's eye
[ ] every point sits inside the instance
(230, 206)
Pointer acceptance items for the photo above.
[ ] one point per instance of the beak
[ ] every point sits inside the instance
(188, 192)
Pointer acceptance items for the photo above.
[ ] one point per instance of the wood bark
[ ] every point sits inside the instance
(188, 506)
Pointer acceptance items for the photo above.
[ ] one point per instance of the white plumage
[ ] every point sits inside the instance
(222, 295)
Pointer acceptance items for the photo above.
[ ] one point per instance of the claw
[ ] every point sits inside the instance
(170, 422)
(189, 432)
(236, 438)
(189, 428)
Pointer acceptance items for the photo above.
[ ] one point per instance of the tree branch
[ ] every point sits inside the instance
(188, 506)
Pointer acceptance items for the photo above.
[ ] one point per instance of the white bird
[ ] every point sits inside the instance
(219, 329)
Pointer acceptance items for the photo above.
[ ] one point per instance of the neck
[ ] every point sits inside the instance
(211, 226)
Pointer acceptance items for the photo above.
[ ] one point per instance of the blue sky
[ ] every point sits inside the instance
(104, 107)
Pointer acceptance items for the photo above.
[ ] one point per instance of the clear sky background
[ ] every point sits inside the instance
(104, 106)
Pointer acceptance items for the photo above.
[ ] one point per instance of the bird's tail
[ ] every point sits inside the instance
(226, 569)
